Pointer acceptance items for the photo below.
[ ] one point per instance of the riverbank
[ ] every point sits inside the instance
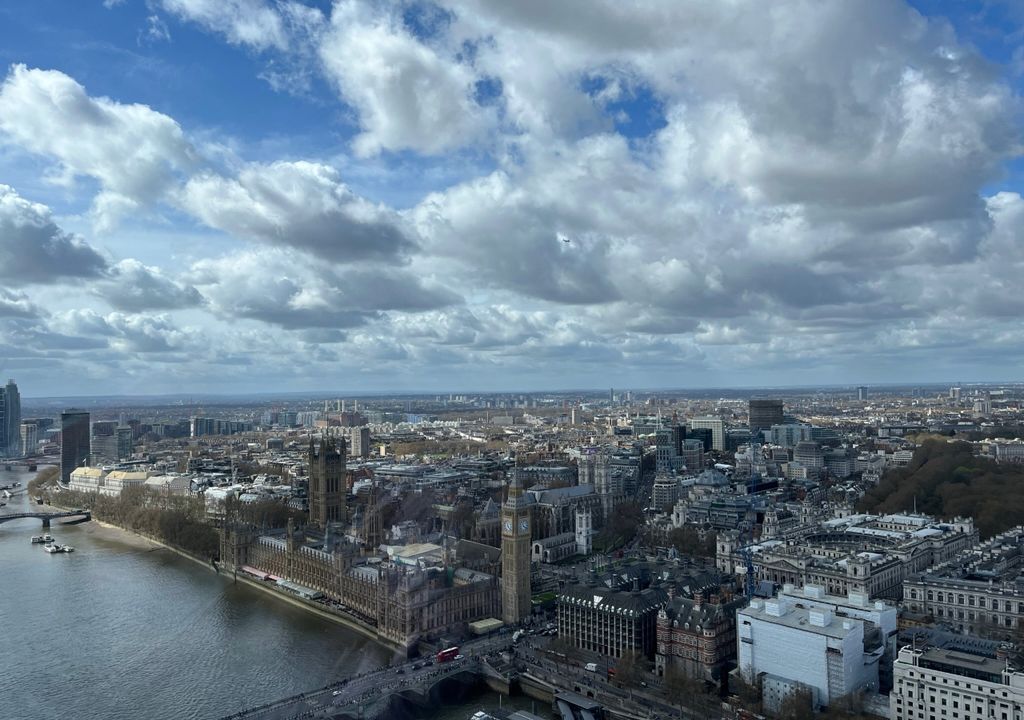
(110, 531)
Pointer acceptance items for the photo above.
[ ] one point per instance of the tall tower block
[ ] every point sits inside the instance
(516, 526)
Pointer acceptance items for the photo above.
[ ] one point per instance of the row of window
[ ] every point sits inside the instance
(969, 600)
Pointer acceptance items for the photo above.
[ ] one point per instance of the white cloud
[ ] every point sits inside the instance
(408, 95)
(135, 152)
(254, 23)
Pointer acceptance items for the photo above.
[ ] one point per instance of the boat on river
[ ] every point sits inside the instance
(38, 539)
(56, 548)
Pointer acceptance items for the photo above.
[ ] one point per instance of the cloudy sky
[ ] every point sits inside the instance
(282, 195)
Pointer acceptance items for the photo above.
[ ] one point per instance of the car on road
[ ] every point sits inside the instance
(336, 693)
(400, 671)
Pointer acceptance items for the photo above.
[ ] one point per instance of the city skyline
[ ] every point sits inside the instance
(231, 196)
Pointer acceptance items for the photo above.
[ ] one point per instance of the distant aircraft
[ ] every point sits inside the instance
(563, 237)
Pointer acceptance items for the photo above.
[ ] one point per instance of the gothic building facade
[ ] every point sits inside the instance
(327, 489)
(403, 604)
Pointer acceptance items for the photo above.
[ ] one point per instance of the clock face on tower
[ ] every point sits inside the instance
(508, 526)
(524, 524)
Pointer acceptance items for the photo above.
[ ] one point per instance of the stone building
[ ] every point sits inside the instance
(948, 684)
(554, 549)
(978, 592)
(487, 524)
(554, 511)
(855, 553)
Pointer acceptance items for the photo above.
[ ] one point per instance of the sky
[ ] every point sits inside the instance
(285, 195)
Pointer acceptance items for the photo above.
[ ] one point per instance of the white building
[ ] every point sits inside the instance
(1008, 451)
(941, 684)
(170, 484)
(118, 480)
(806, 640)
(87, 479)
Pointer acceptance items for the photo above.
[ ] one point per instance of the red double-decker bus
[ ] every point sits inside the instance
(446, 655)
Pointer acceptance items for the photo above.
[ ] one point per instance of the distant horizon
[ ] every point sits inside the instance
(346, 394)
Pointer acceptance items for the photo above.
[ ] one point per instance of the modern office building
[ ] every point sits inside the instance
(763, 414)
(102, 443)
(10, 420)
(200, 426)
(610, 621)
(788, 434)
(862, 393)
(715, 425)
(29, 437)
(668, 443)
(810, 455)
(361, 442)
(74, 442)
(125, 439)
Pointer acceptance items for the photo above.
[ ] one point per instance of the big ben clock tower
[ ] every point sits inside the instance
(516, 517)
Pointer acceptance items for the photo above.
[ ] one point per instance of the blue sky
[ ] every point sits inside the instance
(203, 195)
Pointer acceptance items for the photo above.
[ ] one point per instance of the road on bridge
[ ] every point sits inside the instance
(358, 694)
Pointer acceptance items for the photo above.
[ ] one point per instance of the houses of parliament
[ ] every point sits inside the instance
(403, 594)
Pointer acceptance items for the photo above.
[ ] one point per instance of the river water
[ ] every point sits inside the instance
(122, 629)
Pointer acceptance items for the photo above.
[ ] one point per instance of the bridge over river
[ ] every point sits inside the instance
(80, 516)
(368, 695)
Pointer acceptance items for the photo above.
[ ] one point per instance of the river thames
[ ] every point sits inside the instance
(123, 629)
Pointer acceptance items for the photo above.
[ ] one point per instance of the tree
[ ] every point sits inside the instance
(946, 479)
(631, 668)
(690, 693)
(747, 694)
(687, 541)
(45, 477)
(797, 706)
(621, 527)
(463, 521)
